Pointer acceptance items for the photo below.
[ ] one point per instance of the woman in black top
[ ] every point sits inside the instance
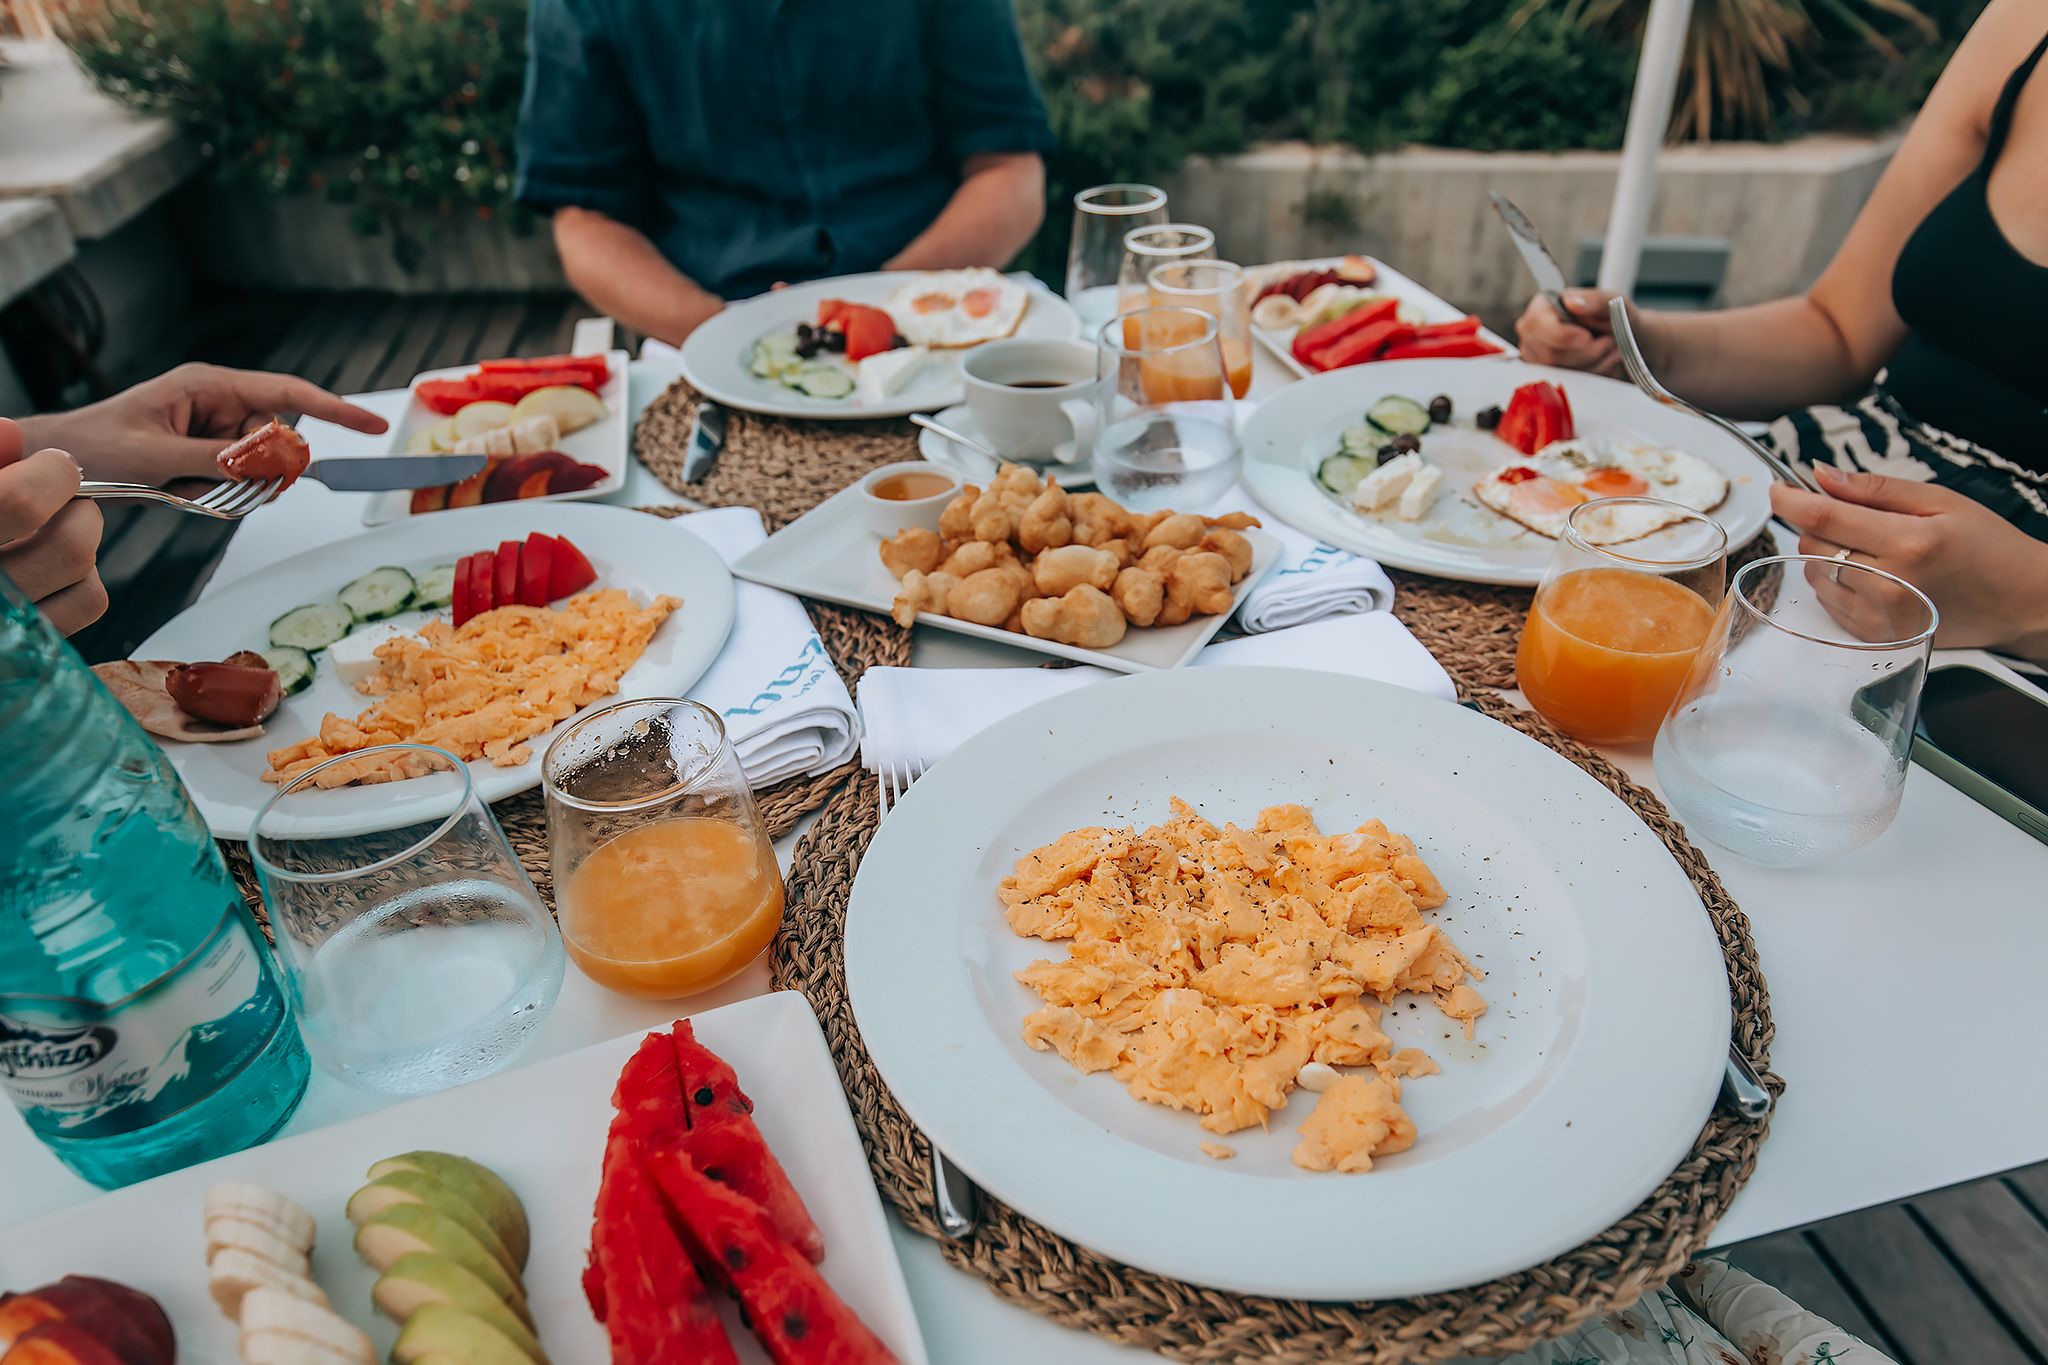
(1914, 374)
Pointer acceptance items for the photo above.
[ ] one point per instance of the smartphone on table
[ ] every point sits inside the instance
(1988, 739)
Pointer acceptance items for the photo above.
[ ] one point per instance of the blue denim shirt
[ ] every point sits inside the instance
(764, 140)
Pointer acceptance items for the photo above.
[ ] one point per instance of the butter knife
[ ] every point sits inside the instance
(1549, 275)
(707, 439)
(393, 471)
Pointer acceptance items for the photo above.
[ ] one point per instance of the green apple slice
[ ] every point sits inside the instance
(444, 1329)
(404, 1228)
(478, 1185)
(411, 1187)
(420, 1278)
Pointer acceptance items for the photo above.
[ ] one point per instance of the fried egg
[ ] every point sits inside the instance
(1541, 491)
(954, 308)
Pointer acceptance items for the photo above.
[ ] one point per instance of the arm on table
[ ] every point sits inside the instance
(618, 269)
(999, 205)
(1763, 360)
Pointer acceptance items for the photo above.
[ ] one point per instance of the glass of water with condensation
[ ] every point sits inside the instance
(417, 951)
(1789, 740)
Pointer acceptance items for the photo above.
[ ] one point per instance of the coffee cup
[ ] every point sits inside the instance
(898, 496)
(1032, 399)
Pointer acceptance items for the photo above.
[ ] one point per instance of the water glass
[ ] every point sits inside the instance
(1789, 739)
(1616, 623)
(1102, 215)
(1220, 289)
(415, 948)
(1165, 430)
(664, 875)
(1147, 248)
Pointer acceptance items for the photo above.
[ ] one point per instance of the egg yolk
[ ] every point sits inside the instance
(1614, 483)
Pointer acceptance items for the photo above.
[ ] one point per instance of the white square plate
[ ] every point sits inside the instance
(828, 553)
(542, 1128)
(1280, 341)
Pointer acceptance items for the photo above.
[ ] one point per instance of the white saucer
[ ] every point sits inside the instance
(975, 465)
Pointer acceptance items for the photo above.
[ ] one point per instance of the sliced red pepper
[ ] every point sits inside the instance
(1364, 344)
(536, 562)
(447, 396)
(869, 331)
(1439, 348)
(1462, 327)
(571, 572)
(1310, 339)
(596, 364)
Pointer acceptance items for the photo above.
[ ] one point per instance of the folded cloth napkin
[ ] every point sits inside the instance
(913, 717)
(1312, 581)
(784, 707)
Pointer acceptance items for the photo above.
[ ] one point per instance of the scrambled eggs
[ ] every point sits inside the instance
(485, 688)
(1207, 967)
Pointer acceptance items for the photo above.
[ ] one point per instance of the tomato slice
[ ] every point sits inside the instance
(505, 574)
(536, 564)
(571, 572)
(447, 396)
(869, 331)
(460, 608)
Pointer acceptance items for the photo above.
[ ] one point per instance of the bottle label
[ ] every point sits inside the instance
(79, 1069)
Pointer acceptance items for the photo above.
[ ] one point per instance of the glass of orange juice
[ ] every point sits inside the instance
(1146, 248)
(1616, 622)
(1165, 418)
(665, 881)
(1218, 288)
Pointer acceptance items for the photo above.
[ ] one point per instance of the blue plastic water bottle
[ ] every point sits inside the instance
(142, 1027)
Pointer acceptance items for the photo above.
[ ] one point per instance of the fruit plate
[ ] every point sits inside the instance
(602, 443)
(642, 554)
(541, 1128)
(715, 356)
(1387, 280)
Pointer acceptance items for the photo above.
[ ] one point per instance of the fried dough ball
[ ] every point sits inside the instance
(1027, 585)
(957, 521)
(1137, 526)
(1138, 594)
(1234, 521)
(996, 513)
(986, 598)
(1045, 524)
(1196, 585)
(1159, 558)
(921, 592)
(1014, 623)
(975, 556)
(1232, 547)
(1056, 571)
(1083, 616)
(1121, 548)
(1182, 530)
(1096, 518)
(912, 548)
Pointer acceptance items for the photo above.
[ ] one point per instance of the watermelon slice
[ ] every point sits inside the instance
(649, 1096)
(722, 1137)
(653, 1305)
(794, 1313)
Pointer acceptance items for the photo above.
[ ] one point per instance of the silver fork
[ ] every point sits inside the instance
(953, 1194)
(229, 501)
(1639, 370)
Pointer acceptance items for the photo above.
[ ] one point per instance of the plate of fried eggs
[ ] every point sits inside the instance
(784, 354)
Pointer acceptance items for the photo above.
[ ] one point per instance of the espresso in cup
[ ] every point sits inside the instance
(1032, 399)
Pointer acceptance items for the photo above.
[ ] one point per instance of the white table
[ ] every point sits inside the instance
(1859, 953)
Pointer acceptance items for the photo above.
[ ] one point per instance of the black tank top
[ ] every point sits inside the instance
(1976, 360)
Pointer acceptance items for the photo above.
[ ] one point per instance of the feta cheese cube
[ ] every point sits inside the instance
(355, 656)
(1420, 493)
(1386, 483)
(883, 374)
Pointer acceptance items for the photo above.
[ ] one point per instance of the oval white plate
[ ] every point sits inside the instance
(1596, 1064)
(1297, 428)
(631, 550)
(715, 356)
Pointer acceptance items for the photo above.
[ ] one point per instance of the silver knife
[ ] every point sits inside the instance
(707, 438)
(1549, 275)
(394, 471)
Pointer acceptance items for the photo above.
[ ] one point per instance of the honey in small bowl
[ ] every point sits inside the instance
(911, 486)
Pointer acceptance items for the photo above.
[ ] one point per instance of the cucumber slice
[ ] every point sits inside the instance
(1362, 439)
(821, 381)
(436, 587)
(1342, 472)
(311, 628)
(294, 667)
(380, 593)
(1396, 414)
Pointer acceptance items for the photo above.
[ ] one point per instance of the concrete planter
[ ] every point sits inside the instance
(1782, 208)
(302, 241)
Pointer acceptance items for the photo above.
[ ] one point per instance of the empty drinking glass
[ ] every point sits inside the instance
(416, 949)
(1789, 739)
(1147, 248)
(1102, 215)
(1218, 288)
(664, 874)
(1166, 433)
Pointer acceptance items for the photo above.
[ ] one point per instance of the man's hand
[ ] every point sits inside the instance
(1988, 578)
(1547, 339)
(173, 425)
(47, 540)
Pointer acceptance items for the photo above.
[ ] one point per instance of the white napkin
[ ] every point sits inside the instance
(1313, 580)
(784, 707)
(913, 717)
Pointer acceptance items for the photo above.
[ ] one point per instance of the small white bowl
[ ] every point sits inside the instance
(886, 516)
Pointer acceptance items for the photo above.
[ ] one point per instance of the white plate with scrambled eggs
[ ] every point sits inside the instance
(1255, 1070)
(643, 555)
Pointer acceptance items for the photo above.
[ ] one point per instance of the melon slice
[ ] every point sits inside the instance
(653, 1304)
(722, 1137)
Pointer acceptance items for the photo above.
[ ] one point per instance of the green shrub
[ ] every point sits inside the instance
(1546, 86)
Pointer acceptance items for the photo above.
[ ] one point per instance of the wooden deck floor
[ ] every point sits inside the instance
(1954, 1277)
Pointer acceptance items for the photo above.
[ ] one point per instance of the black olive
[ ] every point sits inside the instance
(808, 347)
(1440, 408)
(1407, 441)
(897, 341)
(1486, 419)
(804, 331)
(835, 340)
(1385, 453)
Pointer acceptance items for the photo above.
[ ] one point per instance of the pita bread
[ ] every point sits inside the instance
(138, 684)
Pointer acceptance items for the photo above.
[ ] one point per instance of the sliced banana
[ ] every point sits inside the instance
(255, 1204)
(234, 1272)
(257, 1240)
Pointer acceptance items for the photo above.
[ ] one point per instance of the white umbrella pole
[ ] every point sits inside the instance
(1649, 113)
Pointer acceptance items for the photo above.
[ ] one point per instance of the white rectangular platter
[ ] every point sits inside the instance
(1388, 281)
(603, 444)
(828, 553)
(542, 1128)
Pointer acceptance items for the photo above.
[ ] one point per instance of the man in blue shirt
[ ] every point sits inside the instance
(694, 151)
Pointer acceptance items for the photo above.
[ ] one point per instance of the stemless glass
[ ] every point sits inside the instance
(1788, 742)
(1218, 288)
(1102, 215)
(664, 876)
(1146, 248)
(416, 949)
(1615, 624)
(1166, 432)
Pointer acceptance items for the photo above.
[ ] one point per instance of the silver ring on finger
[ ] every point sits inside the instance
(1840, 557)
